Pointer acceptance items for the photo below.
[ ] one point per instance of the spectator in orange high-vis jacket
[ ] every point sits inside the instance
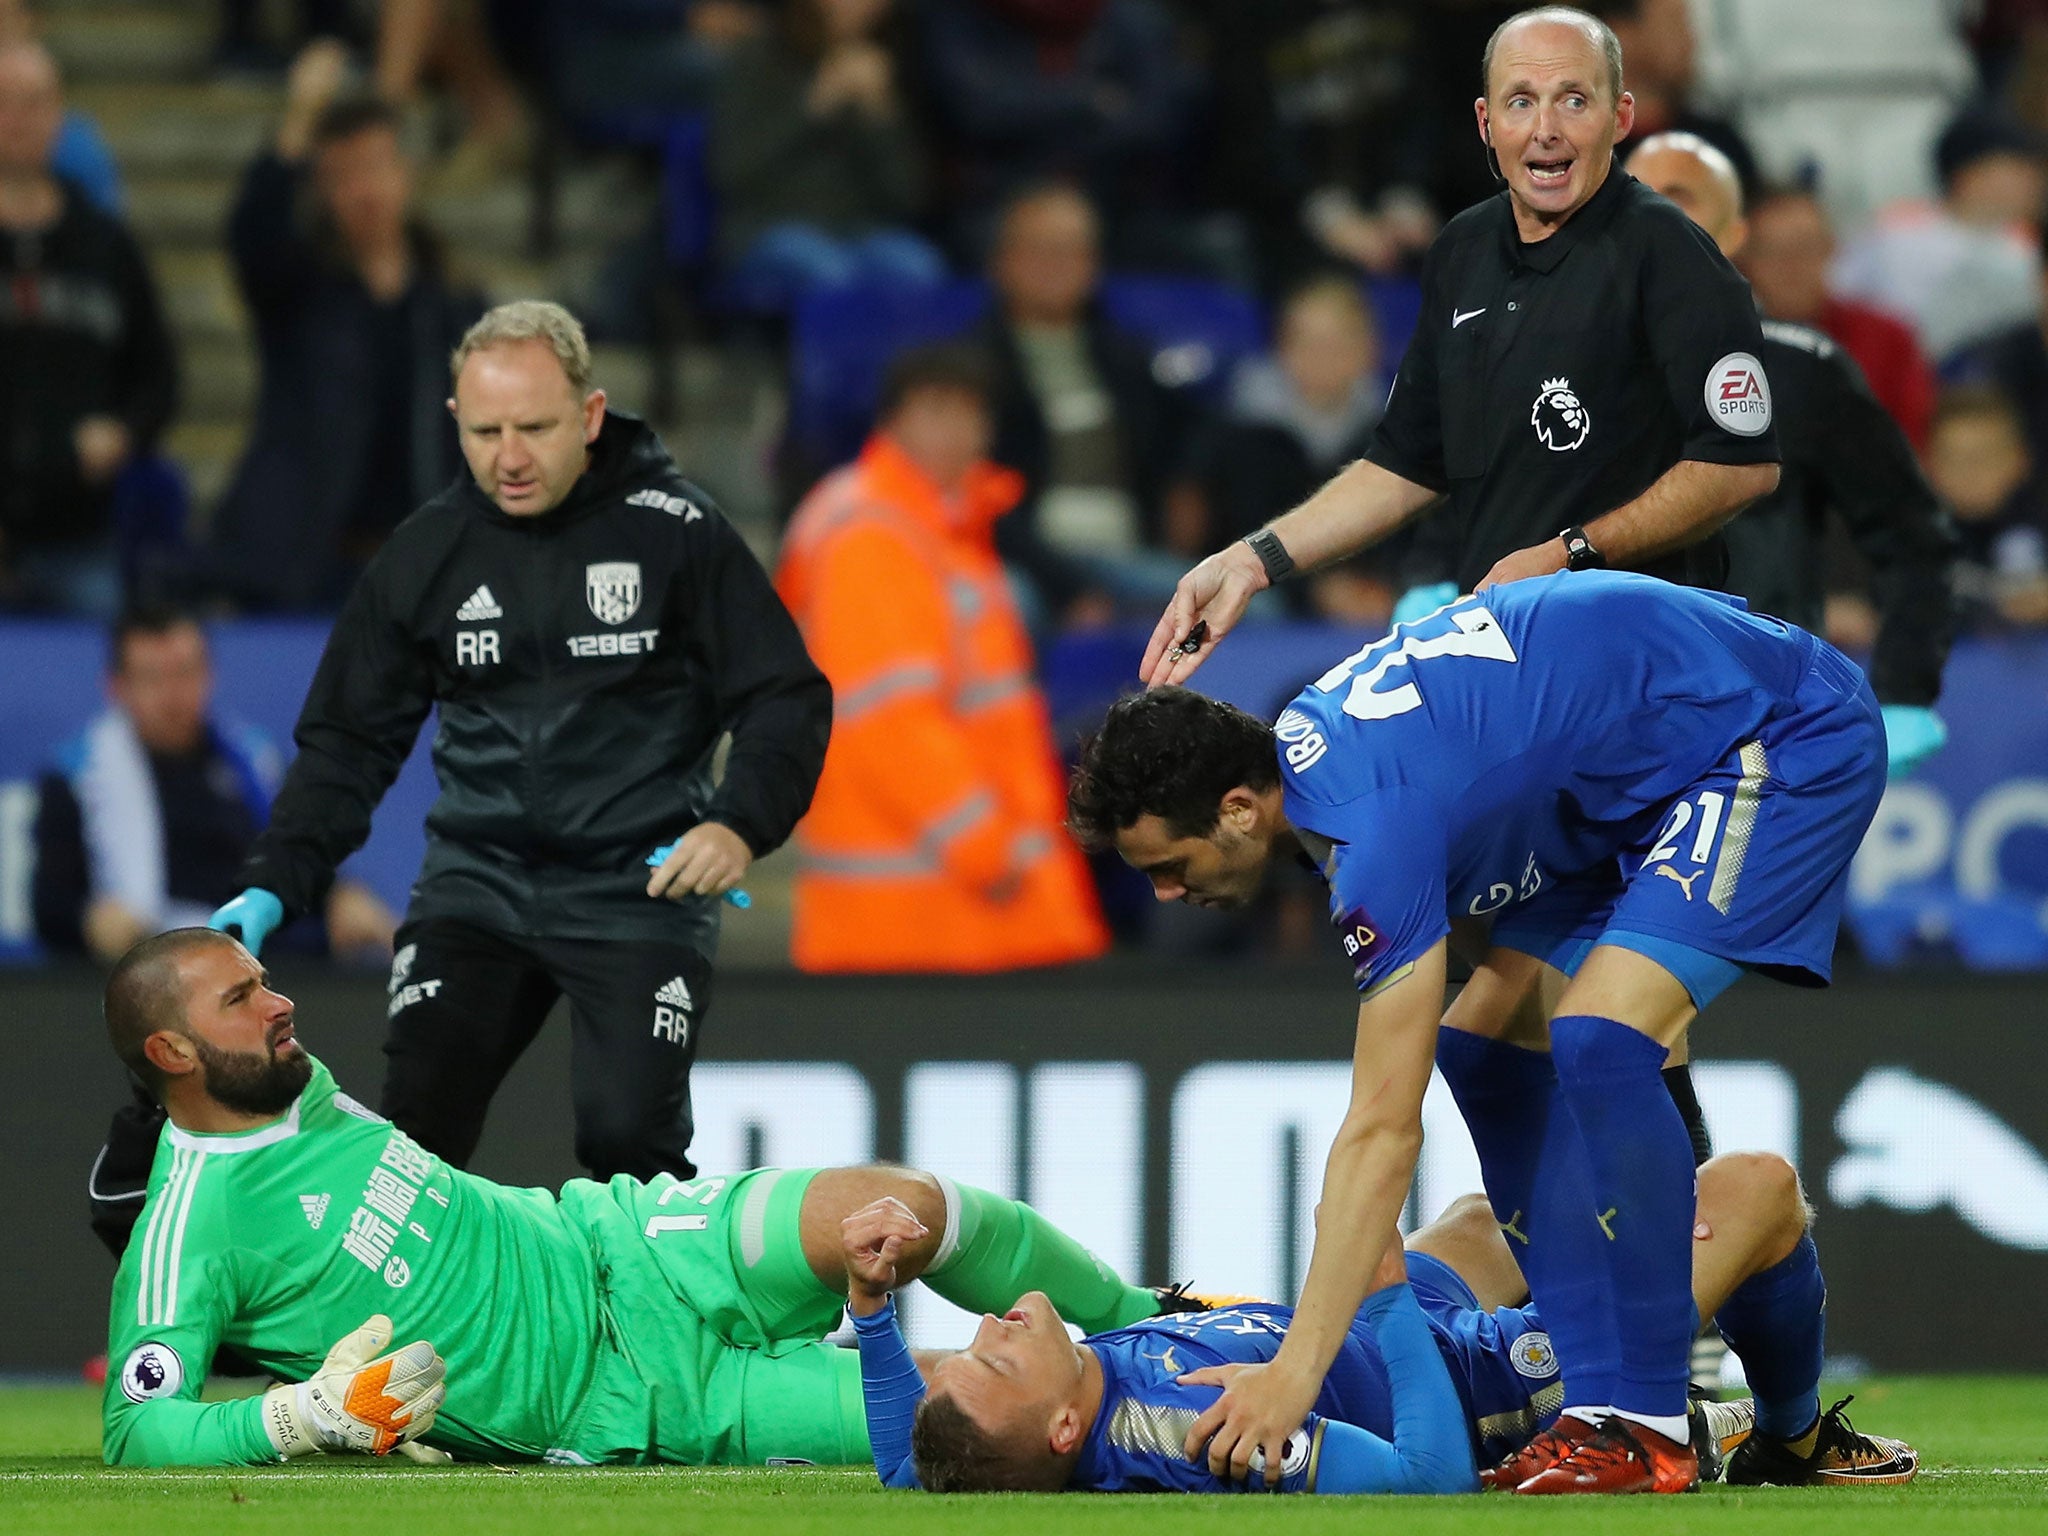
(936, 841)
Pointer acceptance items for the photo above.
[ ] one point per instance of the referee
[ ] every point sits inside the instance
(1583, 349)
(588, 625)
(1585, 388)
(1842, 453)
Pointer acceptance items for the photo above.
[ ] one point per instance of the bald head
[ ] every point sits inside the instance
(146, 993)
(1700, 179)
(1540, 28)
(31, 108)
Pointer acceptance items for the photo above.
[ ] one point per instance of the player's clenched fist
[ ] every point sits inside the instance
(361, 1399)
(872, 1240)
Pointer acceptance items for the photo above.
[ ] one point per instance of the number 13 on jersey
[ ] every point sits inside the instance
(1472, 632)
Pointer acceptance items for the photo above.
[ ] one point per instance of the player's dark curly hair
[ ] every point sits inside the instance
(953, 1454)
(1170, 753)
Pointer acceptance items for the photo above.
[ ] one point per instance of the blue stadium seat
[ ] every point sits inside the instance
(689, 206)
(1200, 330)
(841, 343)
(1397, 304)
(152, 504)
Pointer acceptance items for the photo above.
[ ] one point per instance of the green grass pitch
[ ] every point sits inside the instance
(1983, 1440)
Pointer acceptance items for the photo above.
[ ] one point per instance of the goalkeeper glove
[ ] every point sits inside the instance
(1912, 734)
(249, 917)
(361, 1400)
(1420, 602)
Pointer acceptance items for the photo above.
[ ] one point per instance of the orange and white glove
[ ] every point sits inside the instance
(363, 1399)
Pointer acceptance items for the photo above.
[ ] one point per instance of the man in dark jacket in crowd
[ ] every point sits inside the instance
(589, 625)
(1080, 413)
(355, 314)
(87, 375)
(1843, 455)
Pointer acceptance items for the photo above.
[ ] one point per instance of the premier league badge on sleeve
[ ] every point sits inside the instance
(152, 1370)
(613, 589)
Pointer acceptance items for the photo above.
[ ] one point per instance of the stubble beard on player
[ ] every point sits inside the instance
(251, 1083)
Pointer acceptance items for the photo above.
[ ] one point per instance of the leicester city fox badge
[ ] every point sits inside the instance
(613, 589)
(1532, 1356)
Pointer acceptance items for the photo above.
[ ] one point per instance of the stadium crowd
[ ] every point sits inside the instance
(1183, 235)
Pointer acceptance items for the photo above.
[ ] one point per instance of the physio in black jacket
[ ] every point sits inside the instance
(1842, 454)
(588, 625)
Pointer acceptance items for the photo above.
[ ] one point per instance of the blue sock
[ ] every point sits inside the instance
(1542, 1194)
(1775, 1323)
(1640, 1155)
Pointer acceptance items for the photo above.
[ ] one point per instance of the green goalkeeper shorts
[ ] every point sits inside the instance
(713, 1320)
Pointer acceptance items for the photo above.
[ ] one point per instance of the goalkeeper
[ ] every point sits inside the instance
(618, 1322)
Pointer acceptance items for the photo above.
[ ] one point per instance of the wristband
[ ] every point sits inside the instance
(1272, 554)
(1579, 551)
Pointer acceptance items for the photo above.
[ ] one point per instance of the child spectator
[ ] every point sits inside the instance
(1295, 419)
(1978, 463)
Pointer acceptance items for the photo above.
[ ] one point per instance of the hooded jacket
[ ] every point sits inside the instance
(584, 662)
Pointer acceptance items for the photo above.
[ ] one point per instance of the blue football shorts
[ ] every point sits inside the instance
(1749, 868)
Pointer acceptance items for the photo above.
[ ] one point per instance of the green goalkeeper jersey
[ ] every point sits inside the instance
(597, 1325)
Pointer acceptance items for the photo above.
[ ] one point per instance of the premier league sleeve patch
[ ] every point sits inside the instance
(152, 1370)
(1739, 396)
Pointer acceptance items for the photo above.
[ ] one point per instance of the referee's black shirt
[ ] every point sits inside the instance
(1550, 383)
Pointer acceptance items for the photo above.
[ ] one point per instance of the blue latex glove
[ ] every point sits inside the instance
(1418, 602)
(1912, 734)
(735, 898)
(250, 917)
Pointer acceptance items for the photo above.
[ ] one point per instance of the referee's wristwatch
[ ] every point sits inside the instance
(1579, 552)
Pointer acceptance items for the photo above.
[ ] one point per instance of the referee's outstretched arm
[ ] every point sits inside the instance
(1355, 509)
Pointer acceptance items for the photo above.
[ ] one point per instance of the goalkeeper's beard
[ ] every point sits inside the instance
(253, 1084)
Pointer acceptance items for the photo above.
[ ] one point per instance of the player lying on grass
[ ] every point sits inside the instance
(1644, 790)
(1440, 1363)
(619, 1322)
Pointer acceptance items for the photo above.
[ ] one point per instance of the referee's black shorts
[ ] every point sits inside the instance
(465, 1001)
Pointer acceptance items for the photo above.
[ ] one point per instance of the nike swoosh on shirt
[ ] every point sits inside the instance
(1459, 317)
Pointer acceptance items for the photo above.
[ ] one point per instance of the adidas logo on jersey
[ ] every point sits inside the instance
(674, 992)
(478, 606)
(315, 1207)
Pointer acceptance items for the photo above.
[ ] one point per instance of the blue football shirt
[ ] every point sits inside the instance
(1472, 759)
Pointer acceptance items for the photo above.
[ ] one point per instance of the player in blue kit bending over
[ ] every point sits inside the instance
(1622, 794)
(1438, 1363)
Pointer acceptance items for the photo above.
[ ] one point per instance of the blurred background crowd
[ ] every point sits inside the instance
(1176, 241)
